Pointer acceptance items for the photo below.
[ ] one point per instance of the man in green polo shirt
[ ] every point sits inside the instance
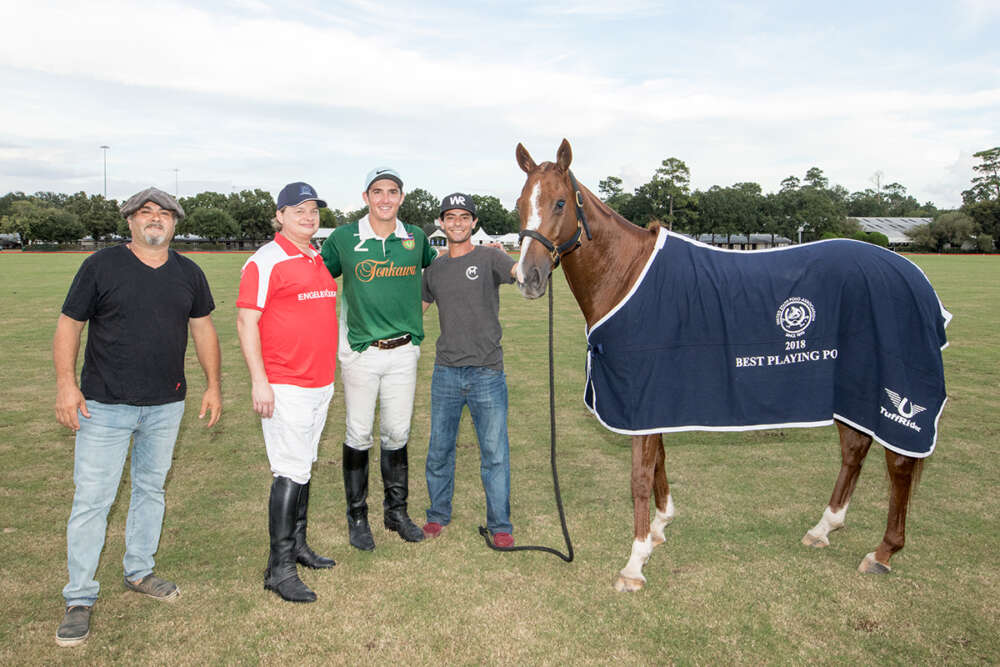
(381, 326)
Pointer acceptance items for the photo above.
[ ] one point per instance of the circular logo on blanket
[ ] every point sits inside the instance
(795, 316)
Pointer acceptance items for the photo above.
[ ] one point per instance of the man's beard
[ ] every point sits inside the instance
(155, 240)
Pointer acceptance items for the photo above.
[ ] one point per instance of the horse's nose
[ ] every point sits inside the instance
(534, 277)
(534, 283)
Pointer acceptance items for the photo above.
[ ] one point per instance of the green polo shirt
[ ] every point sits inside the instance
(382, 280)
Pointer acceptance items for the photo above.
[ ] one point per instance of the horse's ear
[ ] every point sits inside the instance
(523, 159)
(564, 155)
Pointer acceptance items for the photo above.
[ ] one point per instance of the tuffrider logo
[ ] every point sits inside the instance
(906, 410)
(370, 269)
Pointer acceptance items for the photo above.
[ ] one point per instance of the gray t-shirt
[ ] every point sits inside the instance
(466, 290)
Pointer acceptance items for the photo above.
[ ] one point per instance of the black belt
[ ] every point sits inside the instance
(389, 343)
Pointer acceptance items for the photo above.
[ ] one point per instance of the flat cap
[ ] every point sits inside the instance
(155, 195)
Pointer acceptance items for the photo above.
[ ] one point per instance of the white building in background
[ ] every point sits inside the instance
(894, 228)
(480, 237)
(321, 235)
(438, 238)
(741, 242)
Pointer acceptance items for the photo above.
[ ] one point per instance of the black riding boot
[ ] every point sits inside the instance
(356, 489)
(303, 554)
(281, 575)
(395, 473)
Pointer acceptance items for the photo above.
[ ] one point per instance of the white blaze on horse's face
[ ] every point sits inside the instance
(533, 221)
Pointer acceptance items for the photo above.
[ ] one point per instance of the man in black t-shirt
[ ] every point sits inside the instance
(139, 299)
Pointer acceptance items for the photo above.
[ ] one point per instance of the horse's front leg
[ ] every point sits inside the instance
(661, 493)
(644, 455)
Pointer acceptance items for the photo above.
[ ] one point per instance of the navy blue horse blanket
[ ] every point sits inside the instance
(721, 340)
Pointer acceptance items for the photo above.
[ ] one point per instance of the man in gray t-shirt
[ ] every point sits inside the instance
(468, 368)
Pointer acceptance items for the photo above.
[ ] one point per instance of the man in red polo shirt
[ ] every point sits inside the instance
(286, 313)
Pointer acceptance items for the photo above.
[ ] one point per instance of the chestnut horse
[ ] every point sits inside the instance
(595, 243)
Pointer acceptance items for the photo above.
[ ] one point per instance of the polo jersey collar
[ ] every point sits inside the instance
(290, 248)
(366, 232)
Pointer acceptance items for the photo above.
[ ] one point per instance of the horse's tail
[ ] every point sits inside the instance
(918, 471)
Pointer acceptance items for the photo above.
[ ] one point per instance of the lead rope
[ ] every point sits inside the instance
(568, 557)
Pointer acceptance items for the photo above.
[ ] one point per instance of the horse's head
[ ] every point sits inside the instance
(550, 221)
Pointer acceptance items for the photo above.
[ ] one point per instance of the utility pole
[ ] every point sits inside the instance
(105, 149)
(877, 177)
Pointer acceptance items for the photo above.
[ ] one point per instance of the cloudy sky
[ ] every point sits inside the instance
(223, 95)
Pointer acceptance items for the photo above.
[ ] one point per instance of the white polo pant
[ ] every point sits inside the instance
(291, 434)
(388, 377)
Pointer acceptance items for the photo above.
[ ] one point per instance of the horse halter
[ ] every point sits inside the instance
(556, 253)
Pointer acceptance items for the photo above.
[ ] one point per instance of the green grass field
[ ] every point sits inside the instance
(732, 584)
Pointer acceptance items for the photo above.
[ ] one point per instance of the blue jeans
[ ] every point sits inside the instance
(484, 390)
(101, 447)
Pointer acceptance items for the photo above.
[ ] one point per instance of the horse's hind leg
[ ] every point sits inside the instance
(644, 456)
(903, 471)
(664, 512)
(854, 447)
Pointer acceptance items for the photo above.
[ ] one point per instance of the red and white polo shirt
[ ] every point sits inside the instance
(298, 301)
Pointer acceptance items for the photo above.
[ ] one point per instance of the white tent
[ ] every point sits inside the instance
(508, 239)
(482, 238)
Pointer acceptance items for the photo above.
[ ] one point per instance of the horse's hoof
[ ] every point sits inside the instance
(818, 541)
(625, 584)
(871, 566)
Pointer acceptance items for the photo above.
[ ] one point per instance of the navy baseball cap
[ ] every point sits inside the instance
(458, 200)
(294, 194)
(378, 173)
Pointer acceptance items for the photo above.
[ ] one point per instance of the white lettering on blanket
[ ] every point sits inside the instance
(762, 360)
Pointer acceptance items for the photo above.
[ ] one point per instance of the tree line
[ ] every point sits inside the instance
(50, 217)
(806, 208)
(810, 206)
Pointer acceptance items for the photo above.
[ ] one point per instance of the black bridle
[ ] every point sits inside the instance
(556, 252)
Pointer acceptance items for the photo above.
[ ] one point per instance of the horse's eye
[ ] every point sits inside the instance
(560, 204)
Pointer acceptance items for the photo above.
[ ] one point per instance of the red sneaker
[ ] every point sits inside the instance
(432, 529)
(503, 540)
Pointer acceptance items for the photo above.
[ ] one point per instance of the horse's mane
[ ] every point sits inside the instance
(622, 249)
(625, 224)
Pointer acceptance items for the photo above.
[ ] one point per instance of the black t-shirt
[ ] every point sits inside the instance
(138, 329)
